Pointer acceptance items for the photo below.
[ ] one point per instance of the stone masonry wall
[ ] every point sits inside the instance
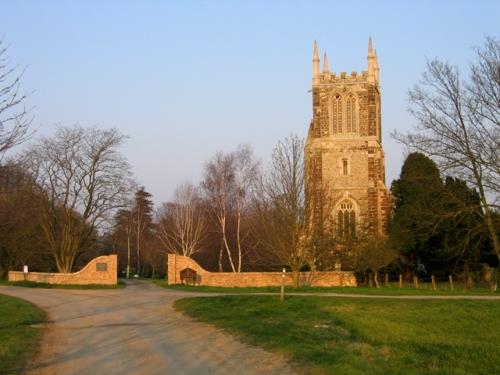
(100, 270)
(177, 263)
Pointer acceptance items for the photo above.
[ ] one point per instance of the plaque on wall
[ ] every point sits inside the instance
(102, 267)
(188, 276)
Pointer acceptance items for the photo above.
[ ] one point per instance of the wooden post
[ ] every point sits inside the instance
(433, 279)
(451, 282)
(415, 282)
(400, 280)
(282, 294)
(386, 280)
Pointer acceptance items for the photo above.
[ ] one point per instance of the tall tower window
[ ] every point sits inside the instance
(345, 169)
(337, 114)
(351, 114)
(346, 219)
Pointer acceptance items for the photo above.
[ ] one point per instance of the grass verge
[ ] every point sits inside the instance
(424, 290)
(32, 284)
(19, 340)
(352, 336)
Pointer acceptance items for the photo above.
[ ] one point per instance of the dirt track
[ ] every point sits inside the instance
(135, 330)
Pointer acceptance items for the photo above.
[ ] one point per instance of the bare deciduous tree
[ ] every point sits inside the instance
(217, 186)
(182, 225)
(459, 125)
(82, 178)
(281, 207)
(246, 171)
(15, 120)
(228, 181)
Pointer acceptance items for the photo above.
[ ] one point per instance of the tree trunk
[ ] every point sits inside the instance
(238, 240)
(375, 279)
(296, 278)
(138, 263)
(226, 245)
(221, 253)
(138, 247)
(494, 281)
(128, 256)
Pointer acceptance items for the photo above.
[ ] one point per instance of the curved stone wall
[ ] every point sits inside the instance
(100, 270)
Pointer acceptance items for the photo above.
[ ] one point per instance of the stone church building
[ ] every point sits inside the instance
(344, 159)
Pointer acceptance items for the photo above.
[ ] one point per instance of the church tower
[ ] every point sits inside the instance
(343, 153)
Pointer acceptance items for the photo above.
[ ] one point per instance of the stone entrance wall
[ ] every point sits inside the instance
(100, 270)
(177, 263)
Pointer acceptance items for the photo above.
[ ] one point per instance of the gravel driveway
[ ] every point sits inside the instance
(135, 330)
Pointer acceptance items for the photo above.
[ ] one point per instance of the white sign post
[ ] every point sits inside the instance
(282, 294)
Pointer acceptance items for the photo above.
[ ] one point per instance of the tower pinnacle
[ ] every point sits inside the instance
(372, 63)
(326, 69)
(315, 64)
(315, 53)
(370, 46)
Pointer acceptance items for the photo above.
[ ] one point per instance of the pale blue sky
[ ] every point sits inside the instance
(185, 79)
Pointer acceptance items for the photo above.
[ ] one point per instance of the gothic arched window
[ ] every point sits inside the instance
(346, 219)
(351, 114)
(337, 114)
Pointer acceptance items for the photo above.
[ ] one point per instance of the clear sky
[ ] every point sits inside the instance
(187, 78)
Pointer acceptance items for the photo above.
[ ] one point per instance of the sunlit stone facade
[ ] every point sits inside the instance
(343, 152)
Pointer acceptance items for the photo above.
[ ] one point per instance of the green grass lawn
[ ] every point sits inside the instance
(19, 340)
(32, 284)
(362, 336)
(423, 290)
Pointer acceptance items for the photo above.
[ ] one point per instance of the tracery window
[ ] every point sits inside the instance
(351, 114)
(337, 114)
(346, 219)
(344, 114)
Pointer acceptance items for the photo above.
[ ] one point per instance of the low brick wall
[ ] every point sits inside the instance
(100, 270)
(177, 263)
